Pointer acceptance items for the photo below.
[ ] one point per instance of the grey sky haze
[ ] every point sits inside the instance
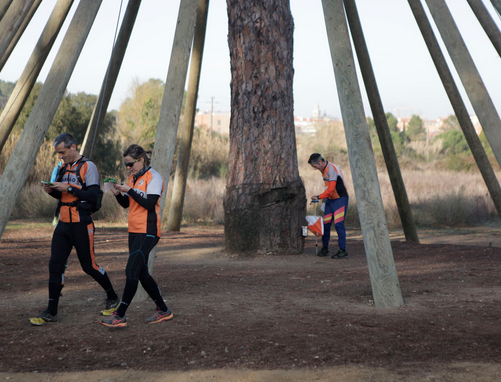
(407, 79)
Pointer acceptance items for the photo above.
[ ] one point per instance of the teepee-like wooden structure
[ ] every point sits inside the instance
(340, 17)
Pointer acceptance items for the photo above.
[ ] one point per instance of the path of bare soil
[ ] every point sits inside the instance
(270, 318)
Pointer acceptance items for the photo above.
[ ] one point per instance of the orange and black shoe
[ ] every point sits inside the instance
(160, 316)
(115, 321)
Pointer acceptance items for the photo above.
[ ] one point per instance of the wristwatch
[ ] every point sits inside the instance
(70, 190)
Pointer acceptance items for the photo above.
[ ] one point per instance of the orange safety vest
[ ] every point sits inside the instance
(140, 219)
(333, 173)
(68, 206)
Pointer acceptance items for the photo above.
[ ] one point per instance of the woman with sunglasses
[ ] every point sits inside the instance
(141, 195)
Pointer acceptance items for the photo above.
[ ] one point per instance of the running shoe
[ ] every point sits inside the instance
(44, 318)
(110, 306)
(324, 251)
(341, 254)
(115, 321)
(160, 316)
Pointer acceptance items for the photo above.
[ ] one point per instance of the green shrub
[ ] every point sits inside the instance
(456, 209)
(453, 142)
(459, 163)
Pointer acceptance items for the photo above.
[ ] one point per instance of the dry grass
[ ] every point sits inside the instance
(204, 201)
(45, 160)
(445, 198)
(34, 203)
(111, 211)
(437, 198)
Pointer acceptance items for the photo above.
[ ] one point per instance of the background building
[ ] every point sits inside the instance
(218, 122)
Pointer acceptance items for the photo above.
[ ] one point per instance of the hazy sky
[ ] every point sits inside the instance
(407, 79)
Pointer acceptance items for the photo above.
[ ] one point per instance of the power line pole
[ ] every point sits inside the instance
(427, 143)
(211, 114)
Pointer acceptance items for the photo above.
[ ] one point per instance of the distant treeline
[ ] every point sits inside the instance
(5, 91)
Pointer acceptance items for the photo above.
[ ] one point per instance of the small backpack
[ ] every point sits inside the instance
(96, 206)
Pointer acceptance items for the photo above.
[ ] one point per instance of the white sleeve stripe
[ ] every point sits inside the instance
(92, 175)
(156, 183)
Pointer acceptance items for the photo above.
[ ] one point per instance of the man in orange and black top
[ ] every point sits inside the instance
(75, 194)
(336, 204)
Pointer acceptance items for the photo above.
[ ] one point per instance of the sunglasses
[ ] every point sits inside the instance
(130, 164)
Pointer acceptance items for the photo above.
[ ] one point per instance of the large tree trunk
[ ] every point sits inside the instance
(265, 201)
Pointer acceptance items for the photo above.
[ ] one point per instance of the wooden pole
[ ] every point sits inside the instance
(390, 156)
(470, 77)
(4, 5)
(110, 79)
(457, 104)
(487, 23)
(29, 76)
(19, 33)
(170, 112)
(383, 274)
(183, 159)
(11, 22)
(165, 139)
(18, 167)
(497, 5)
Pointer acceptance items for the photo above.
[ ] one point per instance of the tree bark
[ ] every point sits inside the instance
(265, 201)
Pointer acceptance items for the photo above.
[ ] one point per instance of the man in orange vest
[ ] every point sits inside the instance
(76, 189)
(336, 204)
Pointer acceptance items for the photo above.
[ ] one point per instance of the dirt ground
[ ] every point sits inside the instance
(271, 318)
